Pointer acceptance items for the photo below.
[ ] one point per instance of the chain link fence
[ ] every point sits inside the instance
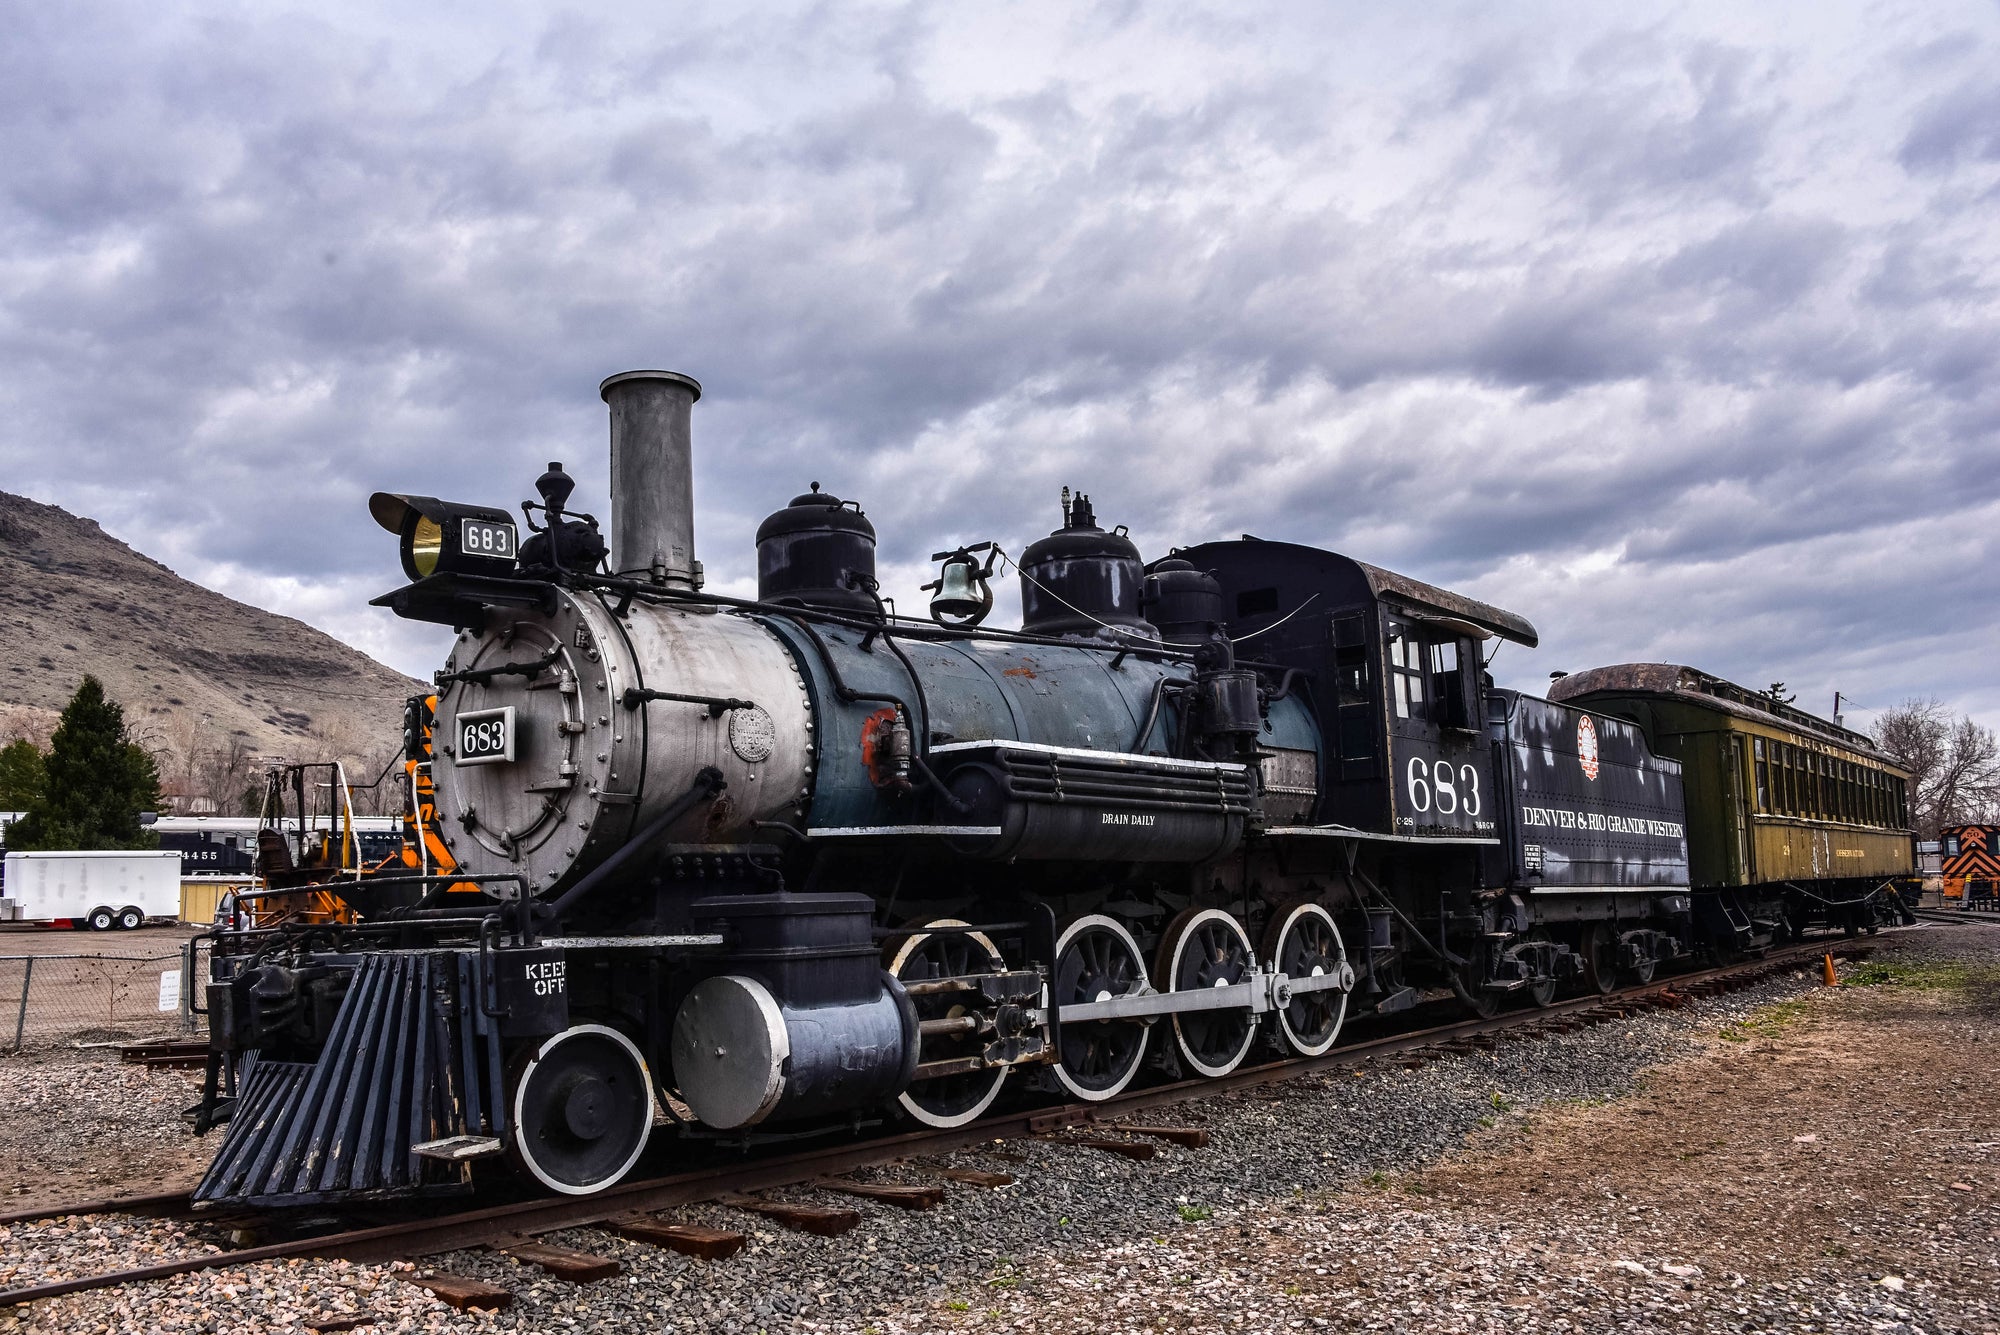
(57, 1000)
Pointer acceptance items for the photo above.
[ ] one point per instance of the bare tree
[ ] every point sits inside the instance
(25, 723)
(225, 773)
(369, 762)
(1954, 763)
(180, 750)
(379, 766)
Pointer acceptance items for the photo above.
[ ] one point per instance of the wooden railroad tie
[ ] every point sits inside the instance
(1187, 1137)
(329, 1325)
(974, 1177)
(1131, 1149)
(463, 1292)
(561, 1262)
(828, 1221)
(1059, 1119)
(907, 1197)
(704, 1244)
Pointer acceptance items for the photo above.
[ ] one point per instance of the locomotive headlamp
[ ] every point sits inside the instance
(446, 537)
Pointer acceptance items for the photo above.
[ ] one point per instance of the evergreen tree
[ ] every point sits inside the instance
(21, 775)
(96, 782)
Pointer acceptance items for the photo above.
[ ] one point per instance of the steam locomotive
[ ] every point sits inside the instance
(761, 866)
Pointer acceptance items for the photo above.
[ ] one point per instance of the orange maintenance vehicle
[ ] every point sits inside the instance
(1971, 864)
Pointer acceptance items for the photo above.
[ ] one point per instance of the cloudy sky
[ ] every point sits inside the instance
(1672, 328)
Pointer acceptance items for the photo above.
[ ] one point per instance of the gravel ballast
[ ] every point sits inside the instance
(1308, 1171)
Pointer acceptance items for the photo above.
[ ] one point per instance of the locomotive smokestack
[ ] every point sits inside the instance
(652, 476)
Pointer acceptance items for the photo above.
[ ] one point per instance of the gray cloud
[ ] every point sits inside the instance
(1674, 331)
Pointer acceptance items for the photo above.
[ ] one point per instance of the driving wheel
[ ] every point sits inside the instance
(1208, 948)
(946, 1100)
(1302, 942)
(1096, 960)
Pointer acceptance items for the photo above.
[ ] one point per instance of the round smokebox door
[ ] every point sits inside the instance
(518, 746)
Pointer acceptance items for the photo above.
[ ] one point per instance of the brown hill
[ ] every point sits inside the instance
(209, 684)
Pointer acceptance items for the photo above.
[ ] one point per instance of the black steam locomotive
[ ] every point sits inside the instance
(783, 863)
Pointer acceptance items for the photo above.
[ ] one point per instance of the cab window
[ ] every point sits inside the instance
(1447, 683)
(1354, 704)
(1407, 673)
(1426, 677)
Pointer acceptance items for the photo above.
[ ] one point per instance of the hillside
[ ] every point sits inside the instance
(208, 682)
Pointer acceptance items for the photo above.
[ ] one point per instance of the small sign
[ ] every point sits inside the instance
(486, 736)
(170, 990)
(1531, 857)
(483, 537)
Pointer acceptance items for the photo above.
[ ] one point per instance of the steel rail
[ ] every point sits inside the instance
(160, 1203)
(488, 1225)
(1957, 915)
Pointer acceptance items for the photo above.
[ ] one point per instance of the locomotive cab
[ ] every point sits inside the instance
(1397, 667)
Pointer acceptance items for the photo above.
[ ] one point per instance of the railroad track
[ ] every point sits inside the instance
(629, 1207)
(1958, 915)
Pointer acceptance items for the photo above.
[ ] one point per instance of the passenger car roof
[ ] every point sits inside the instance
(1711, 692)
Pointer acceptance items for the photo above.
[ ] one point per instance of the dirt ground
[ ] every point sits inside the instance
(1831, 1164)
(1831, 1130)
(142, 943)
(83, 1125)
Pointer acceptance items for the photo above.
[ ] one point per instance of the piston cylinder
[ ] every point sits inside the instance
(805, 1021)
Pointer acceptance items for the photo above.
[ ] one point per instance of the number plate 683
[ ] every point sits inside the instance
(485, 736)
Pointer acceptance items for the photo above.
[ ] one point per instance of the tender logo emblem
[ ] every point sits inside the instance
(1586, 746)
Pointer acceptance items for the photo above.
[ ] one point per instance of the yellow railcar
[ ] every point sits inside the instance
(1793, 820)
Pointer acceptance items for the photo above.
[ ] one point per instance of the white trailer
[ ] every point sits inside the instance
(98, 890)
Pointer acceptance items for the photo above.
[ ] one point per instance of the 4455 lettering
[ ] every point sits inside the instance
(1443, 786)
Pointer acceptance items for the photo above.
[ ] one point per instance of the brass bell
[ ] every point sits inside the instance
(963, 596)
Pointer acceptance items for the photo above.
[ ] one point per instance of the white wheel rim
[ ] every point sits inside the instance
(1292, 1039)
(517, 1108)
(909, 1105)
(1117, 929)
(1174, 971)
(928, 1118)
